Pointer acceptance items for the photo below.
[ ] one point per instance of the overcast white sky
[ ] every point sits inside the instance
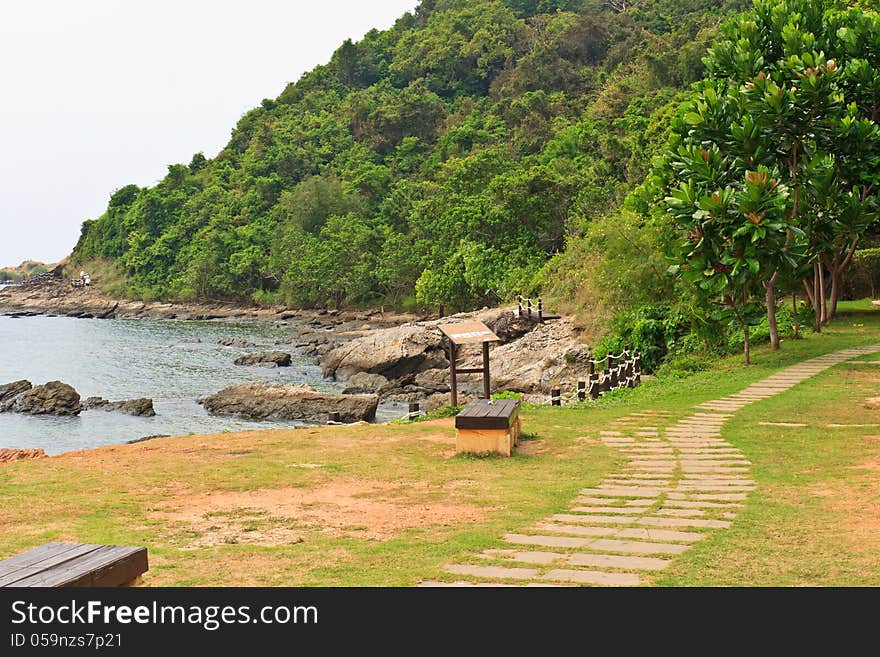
(96, 94)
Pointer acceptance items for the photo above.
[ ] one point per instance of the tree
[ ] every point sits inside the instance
(789, 90)
(731, 227)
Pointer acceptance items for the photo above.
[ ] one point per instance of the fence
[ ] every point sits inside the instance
(621, 371)
(524, 308)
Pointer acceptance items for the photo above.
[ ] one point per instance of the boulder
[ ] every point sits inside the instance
(393, 352)
(235, 342)
(261, 401)
(366, 383)
(278, 358)
(7, 455)
(53, 398)
(10, 391)
(441, 400)
(548, 356)
(510, 326)
(140, 407)
(436, 380)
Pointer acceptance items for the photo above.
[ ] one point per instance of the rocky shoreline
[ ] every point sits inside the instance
(393, 358)
(58, 298)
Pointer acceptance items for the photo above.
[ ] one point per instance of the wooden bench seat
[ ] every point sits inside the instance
(75, 564)
(485, 426)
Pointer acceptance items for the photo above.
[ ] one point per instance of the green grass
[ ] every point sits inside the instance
(390, 505)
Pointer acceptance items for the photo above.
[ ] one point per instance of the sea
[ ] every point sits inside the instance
(173, 362)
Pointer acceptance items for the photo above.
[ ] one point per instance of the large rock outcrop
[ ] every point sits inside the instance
(7, 455)
(549, 356)
(392, 352)
(140, 407)
(262, 401)
(53, 398)
(9, 391)
(272, 358)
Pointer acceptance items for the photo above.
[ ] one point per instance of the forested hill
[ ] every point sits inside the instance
(446, 159)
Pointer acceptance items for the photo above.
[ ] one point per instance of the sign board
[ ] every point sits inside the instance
(468, 333)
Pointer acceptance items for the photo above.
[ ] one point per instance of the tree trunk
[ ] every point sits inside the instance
(747, 351)
(823, 305)
(770, 287)
(836, 269)
(795, 314)
(812, 290)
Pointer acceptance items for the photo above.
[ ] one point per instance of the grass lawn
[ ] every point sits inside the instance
(390, 505)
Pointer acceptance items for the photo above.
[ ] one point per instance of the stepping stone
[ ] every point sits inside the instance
(680, 513)
(605, 501)
(697, 476)
(688, 504)
(712, 468)
(628, 510)
(682, 522)
(610, 433)
(659, 534)
(782, 424)
(541, 558)
(618, 561)
(731, 497)
(575, 530)
(710, 451)
(843, 426)
(435, 584)
(593, 577)
(636, 547)
(624, 492)
(493, 572)
(548, 541)
(592, 520)
(643, 477)
(717, 489)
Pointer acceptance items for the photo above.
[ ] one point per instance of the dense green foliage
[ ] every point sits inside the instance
(25, 269)
(444, 160)
(774, 166)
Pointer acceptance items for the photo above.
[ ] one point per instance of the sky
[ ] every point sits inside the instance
(97, 94)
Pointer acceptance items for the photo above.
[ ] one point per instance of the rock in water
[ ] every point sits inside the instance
(262, 401)
(235, 342)
(279, 358)
(10, 391)
(140, 407)
(54, 398)
(366, 383)
(392, 352)
(9, 455)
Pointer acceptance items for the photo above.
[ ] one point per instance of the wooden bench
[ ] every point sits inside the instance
(75, 564)
(485, 426)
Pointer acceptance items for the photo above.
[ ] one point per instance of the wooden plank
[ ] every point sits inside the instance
(502, 420)
(107, 566)
(468, 333)
(36, 554)
(46, 561)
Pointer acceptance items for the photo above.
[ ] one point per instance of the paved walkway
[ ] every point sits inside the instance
(680, 483)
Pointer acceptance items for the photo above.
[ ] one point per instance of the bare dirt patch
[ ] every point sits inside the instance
(348, 507)
(858, 505)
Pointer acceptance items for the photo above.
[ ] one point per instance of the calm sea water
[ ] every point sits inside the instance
(174, 363)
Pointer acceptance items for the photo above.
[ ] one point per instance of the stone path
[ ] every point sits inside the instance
(680, 483)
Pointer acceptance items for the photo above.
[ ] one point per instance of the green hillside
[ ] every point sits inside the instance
(444, 160)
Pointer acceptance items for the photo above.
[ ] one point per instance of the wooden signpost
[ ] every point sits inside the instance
(467, 333)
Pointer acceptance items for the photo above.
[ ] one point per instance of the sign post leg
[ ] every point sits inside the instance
(453, 384)
(486, 393)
